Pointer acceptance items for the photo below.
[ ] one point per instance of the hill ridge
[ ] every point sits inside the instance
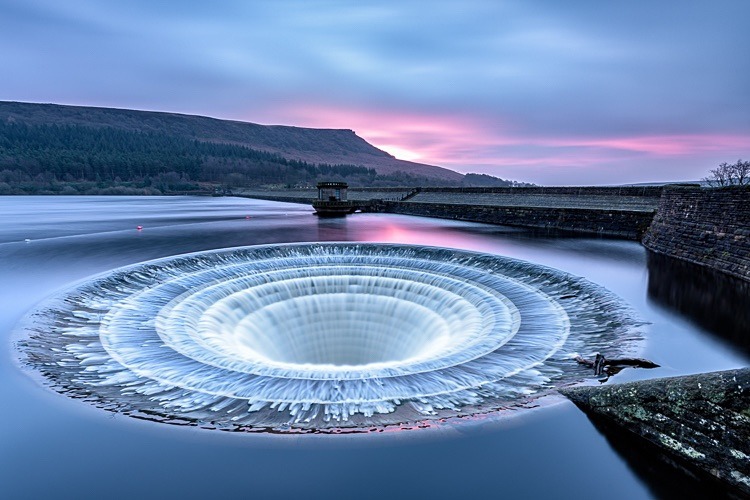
(314, 145)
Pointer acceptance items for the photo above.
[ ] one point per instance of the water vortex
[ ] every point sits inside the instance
(322, 335)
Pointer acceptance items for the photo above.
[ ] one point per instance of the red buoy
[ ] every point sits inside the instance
(139, 227)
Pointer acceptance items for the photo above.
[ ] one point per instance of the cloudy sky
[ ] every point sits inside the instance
(551, 92)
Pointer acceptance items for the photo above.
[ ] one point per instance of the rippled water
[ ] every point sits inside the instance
(53, 445)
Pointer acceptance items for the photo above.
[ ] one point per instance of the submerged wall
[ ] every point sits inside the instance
(709, 227)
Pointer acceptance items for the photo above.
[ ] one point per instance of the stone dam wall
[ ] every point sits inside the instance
(708, 227)
(599, 222)
(623, 212)
(584, 197)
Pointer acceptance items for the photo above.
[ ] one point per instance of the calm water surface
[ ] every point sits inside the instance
(53, 446)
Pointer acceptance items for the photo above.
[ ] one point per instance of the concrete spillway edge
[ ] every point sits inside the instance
(701, 421)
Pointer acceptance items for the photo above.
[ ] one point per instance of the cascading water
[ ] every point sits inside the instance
(323, 335)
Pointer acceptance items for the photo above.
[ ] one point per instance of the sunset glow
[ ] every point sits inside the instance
(551, 94)
(401, 153)
(468, 144)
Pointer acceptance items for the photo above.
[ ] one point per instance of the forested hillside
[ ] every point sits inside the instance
(49, 149)
(74, 158)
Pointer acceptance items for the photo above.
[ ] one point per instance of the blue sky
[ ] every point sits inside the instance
(550, 92)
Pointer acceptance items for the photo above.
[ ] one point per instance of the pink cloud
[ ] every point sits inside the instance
(433, 138)
(660, 145)
(468, 144)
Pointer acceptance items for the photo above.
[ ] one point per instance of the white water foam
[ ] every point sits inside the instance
(321, 335)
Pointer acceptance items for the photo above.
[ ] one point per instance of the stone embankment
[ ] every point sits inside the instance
(708, 227)
(624, 212)
(701, 422)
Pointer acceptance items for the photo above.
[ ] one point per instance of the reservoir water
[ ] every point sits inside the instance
(51, 445)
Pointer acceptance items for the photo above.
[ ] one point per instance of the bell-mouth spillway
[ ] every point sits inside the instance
(320, 336)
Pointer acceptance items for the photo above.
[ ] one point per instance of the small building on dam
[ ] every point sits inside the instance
(332, 200)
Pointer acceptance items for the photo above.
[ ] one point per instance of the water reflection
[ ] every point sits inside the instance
(332, 229)
(713, 300)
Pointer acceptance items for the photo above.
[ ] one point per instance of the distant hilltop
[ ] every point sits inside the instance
(315, 146)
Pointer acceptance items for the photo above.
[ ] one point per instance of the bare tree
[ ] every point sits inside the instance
(741, 172)
(729, 174)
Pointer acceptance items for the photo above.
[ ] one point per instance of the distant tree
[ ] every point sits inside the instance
(729, 174)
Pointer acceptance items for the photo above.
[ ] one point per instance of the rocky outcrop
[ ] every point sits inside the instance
(698, 422)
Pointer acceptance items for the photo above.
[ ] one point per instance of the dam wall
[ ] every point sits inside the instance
(707, 227)
(622, 212)
(599, 222)
(592, 197)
